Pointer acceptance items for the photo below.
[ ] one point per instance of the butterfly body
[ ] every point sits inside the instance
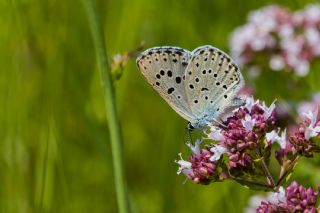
(199, 85)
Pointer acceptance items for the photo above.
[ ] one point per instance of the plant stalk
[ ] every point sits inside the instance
(261, 185)
(287, 171)
(267, 172)
(110, 105)
(265, 168)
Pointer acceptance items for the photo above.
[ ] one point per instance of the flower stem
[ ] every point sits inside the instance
(250, 182)
(110, 105)
(267, 173)
(265, 168)
(287, 171)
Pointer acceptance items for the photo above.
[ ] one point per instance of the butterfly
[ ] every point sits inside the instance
(201, 85)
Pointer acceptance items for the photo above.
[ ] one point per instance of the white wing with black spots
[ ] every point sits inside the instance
(199, 85)
(212, 82)
(164, 67)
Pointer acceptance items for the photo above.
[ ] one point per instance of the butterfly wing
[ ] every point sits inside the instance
(212, 81)
(164, 67)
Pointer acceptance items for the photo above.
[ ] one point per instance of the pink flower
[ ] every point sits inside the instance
(249, 103)
(277, 197)
(248, 122)
(241, 137)
(277, 62)
(286, 40)
(273, 136)
(217, 151)
(313, 129)
(200, 167)
(295, 198)
(238, 148)
(268, 110)
(215, 134)
(185, 167)
(300, 140)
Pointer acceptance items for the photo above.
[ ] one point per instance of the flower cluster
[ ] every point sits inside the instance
(246, 139)
(300, 142)
(201, 167)
(285, 40)
(295, 198)
(244, 131)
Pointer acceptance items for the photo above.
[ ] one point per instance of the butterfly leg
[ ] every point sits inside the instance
(219, 123)
(190, 129)
(190, 136)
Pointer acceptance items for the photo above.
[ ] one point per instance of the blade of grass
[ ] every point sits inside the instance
(44, 172)
(110, 104)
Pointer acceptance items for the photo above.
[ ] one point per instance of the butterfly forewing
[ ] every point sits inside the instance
(212, 80)
(164, 67)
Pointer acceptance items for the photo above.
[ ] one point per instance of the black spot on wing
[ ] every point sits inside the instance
(170, 90)
(178, 79)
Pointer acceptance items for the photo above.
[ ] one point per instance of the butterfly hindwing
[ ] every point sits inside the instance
(212, 80)
(164, 67)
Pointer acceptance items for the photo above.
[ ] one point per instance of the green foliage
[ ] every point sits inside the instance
(53, 153)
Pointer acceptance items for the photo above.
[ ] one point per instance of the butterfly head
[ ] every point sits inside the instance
(200, 124)
(190, 127)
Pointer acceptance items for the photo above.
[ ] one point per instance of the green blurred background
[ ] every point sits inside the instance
(55, 151)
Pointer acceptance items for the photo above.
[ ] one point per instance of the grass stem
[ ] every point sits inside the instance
(110, 104)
